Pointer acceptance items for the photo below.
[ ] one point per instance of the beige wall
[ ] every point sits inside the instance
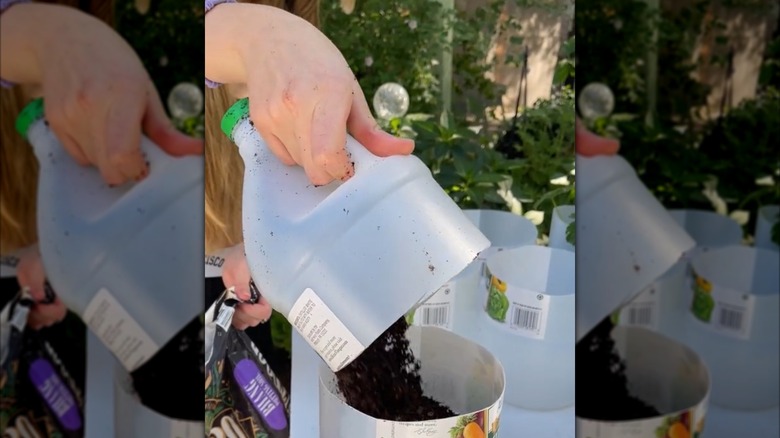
(543, 33)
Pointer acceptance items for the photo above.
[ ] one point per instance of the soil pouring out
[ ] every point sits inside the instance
(384, 382)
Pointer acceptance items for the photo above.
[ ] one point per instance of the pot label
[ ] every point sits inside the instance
(479, 424)
(521, 311)
(326, 334)
(724, 310)
(119, 331)
(437, 311)
(689, 424)
(642, 311)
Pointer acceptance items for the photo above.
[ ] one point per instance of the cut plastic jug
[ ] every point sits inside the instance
(562, 216)
(631, 239)
(344, 261)
(663, 373)
(528, 323)
(454, 371)
(767, 217)
(734, 324)
(122, 258)
(664, 304)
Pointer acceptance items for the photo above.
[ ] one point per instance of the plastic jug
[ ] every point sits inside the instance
(125, 259)
(631, 239)
(344, 261)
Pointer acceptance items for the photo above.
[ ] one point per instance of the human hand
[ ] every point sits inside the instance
(590, 144)
(235, 274)
(97, 95)
(46, 310)
(302, 93)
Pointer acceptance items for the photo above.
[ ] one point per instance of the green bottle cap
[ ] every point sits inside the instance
(236, 113)
(29, 115)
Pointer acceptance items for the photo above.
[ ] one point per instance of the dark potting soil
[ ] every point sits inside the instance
(601, 384)
(384, 382)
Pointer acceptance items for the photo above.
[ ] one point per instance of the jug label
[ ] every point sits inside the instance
(642, 311)
(437, 310)
(119, 331)
(521, 311)
(724, 310)
(326, 334)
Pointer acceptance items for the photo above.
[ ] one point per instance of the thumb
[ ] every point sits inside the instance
(363, 127)
(590, 144)
(160, 130)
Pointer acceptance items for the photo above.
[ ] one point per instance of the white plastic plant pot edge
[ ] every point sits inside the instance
(135, 420)
(679, 361)
(482, 373)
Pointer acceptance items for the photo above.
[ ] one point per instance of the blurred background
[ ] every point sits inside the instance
(693, 91)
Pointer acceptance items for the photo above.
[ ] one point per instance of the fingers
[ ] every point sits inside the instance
(30, 273)
(250, 315)
(363, 127)
(278, 149)
(235, 272)
(120, 141)
(327, 140)
(45, 315)
(589, 144)
(160, 130)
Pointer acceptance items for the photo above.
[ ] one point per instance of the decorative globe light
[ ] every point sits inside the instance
(185, 100)
(596, 100)
(391, 100)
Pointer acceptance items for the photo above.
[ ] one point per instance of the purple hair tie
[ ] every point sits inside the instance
(4, 5)
(211, 4)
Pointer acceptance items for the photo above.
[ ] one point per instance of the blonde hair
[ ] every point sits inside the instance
(224, 166)
(18, 165)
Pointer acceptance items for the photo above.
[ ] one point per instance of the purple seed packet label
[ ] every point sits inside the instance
(56, 395)
(260, 393)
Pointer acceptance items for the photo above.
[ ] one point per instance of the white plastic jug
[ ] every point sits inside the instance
(125, 259)
(344, 261)
(630, 237)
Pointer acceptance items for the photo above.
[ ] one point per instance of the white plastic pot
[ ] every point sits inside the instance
(734, 324)
(455, 371)
(664, 374)
(528, 323)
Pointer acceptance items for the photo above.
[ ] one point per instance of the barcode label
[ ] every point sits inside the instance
(642, 311)
(436, 315)
(640, 315)
(437, 310)
(731, 319)
(727, 311)
(526, 318)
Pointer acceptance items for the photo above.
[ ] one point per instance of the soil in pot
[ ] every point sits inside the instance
(384, 382)
(601, 385)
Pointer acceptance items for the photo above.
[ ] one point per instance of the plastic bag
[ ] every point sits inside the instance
(39, 397)
(244, 398)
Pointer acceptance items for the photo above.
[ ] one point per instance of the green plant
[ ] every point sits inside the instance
(168, 39)
(571, 231)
